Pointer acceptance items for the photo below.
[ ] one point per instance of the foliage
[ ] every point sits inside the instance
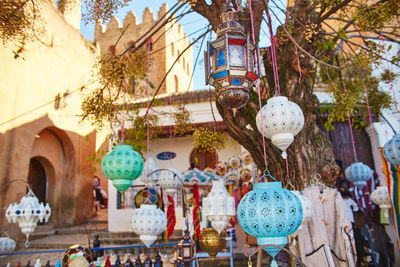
(102, 10)
(206, 140)
(115, 75)
(182, 121)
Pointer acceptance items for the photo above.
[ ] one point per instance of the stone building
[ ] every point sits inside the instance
(167, 44)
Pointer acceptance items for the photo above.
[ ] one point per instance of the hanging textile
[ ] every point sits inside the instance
(327, 239)
(392, 175)
(196, 212)
(171, 219)
(363, 195)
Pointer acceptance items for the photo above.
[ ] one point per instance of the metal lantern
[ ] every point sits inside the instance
(147, 196)
(380, 196)
(282, 120)
(219, 206)
(391, 150)
(169, 181)
(270, 213)
(230, 62)
(211, 241)
(358, 173)
(27, 213)
(186, 250)
(121, 166)
(148, 222)
(7, 245)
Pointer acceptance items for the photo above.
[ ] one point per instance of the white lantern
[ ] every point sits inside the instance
(7, 245)
(358, 173)
(307, 207)
(380, 196)
(219, 206)
(147, 177)
(169, 181)
(282, 120)
(148, 222)
(391, 150)
(28, 213)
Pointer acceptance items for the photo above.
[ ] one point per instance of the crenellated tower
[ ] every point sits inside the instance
(168, 43)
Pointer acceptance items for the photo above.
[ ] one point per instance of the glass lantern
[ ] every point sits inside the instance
(186, 250)
(230, 64)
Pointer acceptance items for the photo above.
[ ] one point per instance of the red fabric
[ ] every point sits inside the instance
(196, 211)
(363, 195)
(171, 220)
(108, 262)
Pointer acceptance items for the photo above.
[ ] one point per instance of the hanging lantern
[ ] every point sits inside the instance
(7, 245)
(270, 213)
(282, 120)
(121, 166)
(186, 250)
(148, 222)
(391, 150)
(246, 158)
(169, 181)
(230, 65)
(211, 241)
(219, 206)
(148, 196)
(380, 196)
(358, 173)
(149, 179)
(27, 213)
(306, 204)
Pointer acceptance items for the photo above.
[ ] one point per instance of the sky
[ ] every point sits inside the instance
(191, 23)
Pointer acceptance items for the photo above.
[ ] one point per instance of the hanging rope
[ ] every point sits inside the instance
(351, 130)
(148, 113)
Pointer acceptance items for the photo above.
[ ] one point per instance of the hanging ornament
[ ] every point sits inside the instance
(246, 158)
(282, 120)
(148, 196)
(233, 180)
(148, 222)
(27, 213)
(380, 196)
(245, 175)
(221, 168)
(391, 150)
(211, 241)
(150, 179)
(121, 166)
(169, 181)
(270, 213)
(7, 245)
(234, 162)
(219, 206)
(306, 204)
(229, 62)
(358, 173)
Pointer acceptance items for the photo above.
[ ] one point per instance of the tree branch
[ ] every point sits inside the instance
(333, 11)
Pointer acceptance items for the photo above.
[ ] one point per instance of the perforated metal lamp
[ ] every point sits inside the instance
(186, 249)
(230, 64)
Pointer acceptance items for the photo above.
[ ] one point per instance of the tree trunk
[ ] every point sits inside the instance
(310, 156)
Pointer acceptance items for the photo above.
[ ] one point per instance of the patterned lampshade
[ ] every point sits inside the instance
(121, 166)
(380, 196)
(391, 150)
(358, 173)
(7, 245)
(270, 213)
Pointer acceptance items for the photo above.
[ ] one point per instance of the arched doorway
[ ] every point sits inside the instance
(37, 179)
(202, 160)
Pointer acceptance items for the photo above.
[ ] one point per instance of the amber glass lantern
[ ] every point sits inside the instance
(211, 241)
(230, 64)
(186, 250)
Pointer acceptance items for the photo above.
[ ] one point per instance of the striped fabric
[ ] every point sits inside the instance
(171, 219)
(392, 175)
(196, 212)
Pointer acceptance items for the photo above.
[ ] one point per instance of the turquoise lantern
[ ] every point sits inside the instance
(391, 150)
(270, 213)
(121, 166)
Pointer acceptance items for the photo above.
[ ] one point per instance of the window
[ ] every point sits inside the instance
(183, 63)
(173, 49)
(179, 52)
(176, 83)
(112, 50)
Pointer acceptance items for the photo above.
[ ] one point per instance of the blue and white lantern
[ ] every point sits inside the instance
(270, 213)
(230, 62)
(358, 173)
(391, 150)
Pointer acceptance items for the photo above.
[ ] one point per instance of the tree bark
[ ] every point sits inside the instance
(310, 156)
